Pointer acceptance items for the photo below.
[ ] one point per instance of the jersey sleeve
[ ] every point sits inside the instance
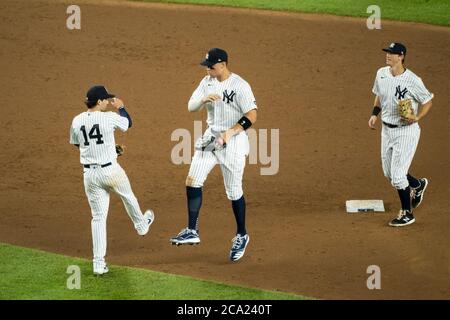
(421, 93)
(73, 136)
(375, 88)
(199, 93)
(119, 122)
(246, 99)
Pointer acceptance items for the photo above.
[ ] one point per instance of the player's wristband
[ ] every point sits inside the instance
(245, 122)
(376, 111)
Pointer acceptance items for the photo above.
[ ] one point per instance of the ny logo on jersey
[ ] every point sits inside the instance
(228, 96)
(400, 94)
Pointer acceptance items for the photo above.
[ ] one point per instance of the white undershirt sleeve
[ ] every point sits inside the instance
(194, 105)
(195, 102)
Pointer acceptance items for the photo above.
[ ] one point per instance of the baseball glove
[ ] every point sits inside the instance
(205, 143)
(120, 149)
(405, 109)
(209, 143)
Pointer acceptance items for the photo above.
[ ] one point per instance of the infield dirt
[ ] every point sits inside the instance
(312, 76)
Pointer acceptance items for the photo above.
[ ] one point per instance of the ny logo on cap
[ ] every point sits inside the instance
(207, 56)
(392, 45)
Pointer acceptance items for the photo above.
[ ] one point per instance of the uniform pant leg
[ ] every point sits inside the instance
(98, 199)
(202, 164)
(118, 181)
(232, 177)
(386, 152)
(232, 163)
(404, 148)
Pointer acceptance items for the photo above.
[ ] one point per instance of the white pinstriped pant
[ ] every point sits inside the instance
(398, 146)
(98, 182)
(231, 161)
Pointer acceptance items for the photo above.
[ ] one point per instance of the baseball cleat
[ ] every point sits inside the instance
(149, 217)
(404, 218)
(186, 236)
(101, 271)
(238, 248)
(179, 244)
(418, 193)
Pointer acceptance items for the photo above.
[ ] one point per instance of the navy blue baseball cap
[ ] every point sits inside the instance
(396, 48)
(96, 93)
(215, 55)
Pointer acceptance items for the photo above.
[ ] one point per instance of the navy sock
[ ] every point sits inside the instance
(194, 202)
(405, 198)
(239, 214)
(413, 182)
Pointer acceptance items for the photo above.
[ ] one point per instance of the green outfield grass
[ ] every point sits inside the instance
(33, 274)
(426, 11)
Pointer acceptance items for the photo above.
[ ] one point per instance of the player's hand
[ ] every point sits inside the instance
(221, 141)
(211, 98)
(372, 121)
(117, 103)
(226, 136)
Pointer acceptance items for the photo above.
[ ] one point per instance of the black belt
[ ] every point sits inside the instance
(394, 125)
(87, 166)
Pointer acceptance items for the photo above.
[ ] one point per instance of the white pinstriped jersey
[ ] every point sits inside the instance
(94, 132)
(391, 89)
(237, 99)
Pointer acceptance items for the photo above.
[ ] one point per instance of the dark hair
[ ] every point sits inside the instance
(90, 104)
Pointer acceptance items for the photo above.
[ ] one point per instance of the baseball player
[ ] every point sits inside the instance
(394, 86)
(93, 133)
(231, 109)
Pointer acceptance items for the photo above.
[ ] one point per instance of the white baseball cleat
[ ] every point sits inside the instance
(149, 217)
(101, 271)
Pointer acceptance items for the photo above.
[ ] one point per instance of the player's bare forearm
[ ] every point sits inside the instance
(252, 115)
(373, 117)
(377, 101)
(237, 128)
(424, 110)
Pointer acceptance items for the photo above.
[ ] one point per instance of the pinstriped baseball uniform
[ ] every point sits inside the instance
(237, 99)
(398, 144)
(94, 133)
(100, 126)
